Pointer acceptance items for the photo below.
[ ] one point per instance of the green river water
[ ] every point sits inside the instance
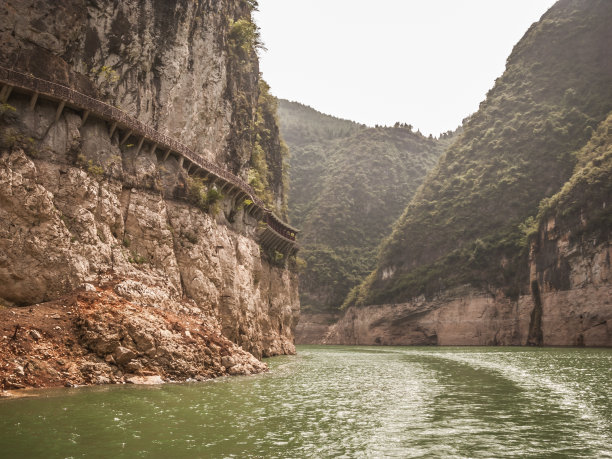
(338, 402)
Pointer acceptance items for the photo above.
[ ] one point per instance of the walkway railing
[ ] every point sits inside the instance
(21, 82)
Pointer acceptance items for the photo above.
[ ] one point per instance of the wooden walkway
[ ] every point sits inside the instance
(277, 235)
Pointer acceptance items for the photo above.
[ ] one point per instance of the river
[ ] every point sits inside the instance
(338, 402)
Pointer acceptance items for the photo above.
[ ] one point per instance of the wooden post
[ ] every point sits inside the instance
(181, 160)
(125, 137)
(85, 116)
(112, 130)
(166, 156)
(5, 93)
(33, 100)
(59, 111)
(153, 148)
(139, 145)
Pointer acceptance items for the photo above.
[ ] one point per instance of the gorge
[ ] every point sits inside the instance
(234, 274)
(148, 232)
(507, 241)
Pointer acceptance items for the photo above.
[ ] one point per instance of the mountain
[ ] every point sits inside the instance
(466, 225)
(508, 239)
(348, 184)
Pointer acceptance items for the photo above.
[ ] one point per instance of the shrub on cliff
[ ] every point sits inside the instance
(244, 37)
(200, 194)
(268, 174)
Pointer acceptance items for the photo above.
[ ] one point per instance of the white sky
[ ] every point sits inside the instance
(428, 63)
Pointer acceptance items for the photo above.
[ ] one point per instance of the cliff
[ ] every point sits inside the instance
(476, 257)
(150, 262)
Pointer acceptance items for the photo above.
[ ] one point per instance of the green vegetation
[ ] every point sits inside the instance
(348, 184)
(244, 37)
(470, 222)
(7, 112)
(95, 170)
(242, 41)
(137, 259)
(583, 204)
(109, 74)
(11, 138)
(254, 135)
(200, 194)
(268, 174)
(302, 125)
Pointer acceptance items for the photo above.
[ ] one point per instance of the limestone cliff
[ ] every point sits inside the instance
(82, 211)
(577, 313)
(175, 65)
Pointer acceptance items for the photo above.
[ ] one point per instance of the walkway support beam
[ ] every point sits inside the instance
(60, 109)
(126, 136)
(142, 139)
(33, 100)
(5, 93)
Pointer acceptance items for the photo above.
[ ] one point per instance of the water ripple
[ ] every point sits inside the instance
(340, 402)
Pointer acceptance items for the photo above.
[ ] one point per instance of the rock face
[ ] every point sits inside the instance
(570, 305)
(62, 226)
(168, 63)
(77, 207)
(313, 327)
(97, 336)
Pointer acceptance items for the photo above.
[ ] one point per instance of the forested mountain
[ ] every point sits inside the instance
(582, 207)
(348, 184)
(302, 125)
(470, 222)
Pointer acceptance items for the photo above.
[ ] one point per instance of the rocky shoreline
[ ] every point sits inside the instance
(107, 334)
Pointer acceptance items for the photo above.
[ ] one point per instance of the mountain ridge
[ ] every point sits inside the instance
(338, 198)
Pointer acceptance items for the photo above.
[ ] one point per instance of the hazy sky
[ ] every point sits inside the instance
(428, 63)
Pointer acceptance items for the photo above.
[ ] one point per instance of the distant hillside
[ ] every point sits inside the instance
(348, 184)
(470, 221)
(303, 125)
